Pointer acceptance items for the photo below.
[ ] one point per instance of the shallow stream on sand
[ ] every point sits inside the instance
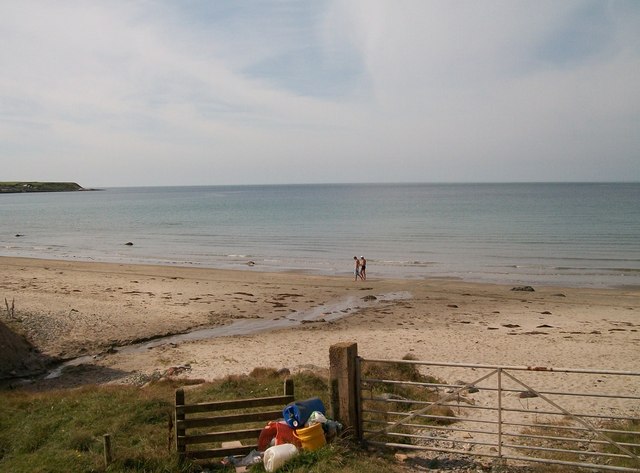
(327, 313)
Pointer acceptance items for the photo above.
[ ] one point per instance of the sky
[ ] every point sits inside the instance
(143, 93)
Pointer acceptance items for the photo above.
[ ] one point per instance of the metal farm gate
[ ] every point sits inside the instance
(573, 417)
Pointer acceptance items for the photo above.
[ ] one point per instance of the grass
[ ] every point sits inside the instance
(335, 457)
(400, 398)
(629, 433)
(62, 430)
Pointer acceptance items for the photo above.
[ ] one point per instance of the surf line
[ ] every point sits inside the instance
(323, 313)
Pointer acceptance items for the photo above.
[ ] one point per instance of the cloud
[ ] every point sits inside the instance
(501, 85)
(153, 93)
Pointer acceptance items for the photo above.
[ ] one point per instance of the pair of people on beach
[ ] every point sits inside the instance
(361, 268)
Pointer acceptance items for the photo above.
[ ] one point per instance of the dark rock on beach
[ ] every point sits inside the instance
(523, 288)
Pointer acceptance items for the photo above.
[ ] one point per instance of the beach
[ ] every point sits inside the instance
(69, 309)
(564, 234)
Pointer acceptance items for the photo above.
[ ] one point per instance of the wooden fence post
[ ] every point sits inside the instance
(106, 442)
(179, 426)
(343, 384)
(288, 387)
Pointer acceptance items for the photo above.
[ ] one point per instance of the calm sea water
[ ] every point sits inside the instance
(565, 234)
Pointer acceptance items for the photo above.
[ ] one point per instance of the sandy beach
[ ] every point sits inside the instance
(69, 309)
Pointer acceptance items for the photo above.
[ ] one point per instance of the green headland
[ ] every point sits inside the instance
(14, 187)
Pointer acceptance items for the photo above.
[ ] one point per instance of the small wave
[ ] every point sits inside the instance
(402, 263)
(614, 270)
(625, 270)
(522, 266)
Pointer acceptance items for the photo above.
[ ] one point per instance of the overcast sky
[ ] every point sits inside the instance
(127, 93)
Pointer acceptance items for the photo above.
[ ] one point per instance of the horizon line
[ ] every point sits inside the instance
(373, 183)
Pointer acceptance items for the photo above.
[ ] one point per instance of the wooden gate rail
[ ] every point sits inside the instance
(191, 419)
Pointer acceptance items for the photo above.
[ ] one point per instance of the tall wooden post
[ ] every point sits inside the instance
(288, 387)
(179, 425)
(343, 382)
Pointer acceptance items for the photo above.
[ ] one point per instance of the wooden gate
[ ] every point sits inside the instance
(203, 429)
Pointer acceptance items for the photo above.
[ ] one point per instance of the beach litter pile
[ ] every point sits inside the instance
(304, 426)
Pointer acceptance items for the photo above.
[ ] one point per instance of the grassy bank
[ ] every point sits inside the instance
(62, 431)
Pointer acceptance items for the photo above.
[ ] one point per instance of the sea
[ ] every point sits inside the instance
(563, 234)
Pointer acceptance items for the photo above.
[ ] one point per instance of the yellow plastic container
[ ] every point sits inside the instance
(311, 438)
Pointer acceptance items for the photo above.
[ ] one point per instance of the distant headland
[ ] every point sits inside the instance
(16, 187)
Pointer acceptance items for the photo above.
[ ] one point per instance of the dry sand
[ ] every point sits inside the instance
(67, 309)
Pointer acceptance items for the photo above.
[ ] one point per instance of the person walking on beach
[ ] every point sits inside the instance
(363, 268)
(357, 268)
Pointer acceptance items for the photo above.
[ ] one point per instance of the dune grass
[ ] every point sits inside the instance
(380, 398)
(626, 433)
